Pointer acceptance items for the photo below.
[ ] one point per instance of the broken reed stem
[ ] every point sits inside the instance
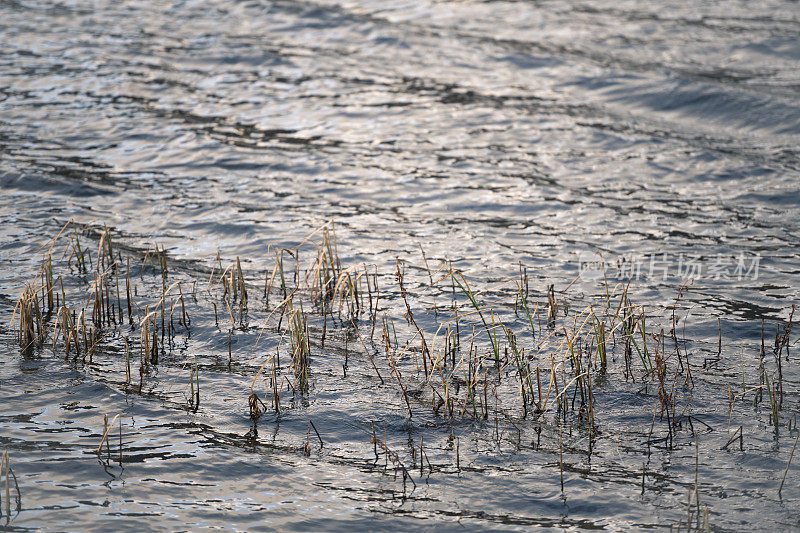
(105, 432)
(8, 472)
(560, 457)
(5, 463)
(369, 354)
(311, 423)
(393, 457)
(789, 462)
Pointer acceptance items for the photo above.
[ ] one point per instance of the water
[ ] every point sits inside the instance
(488, 133)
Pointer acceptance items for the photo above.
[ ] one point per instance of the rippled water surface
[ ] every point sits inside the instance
(495, 135)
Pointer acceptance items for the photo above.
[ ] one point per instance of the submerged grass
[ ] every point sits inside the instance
(477, 363)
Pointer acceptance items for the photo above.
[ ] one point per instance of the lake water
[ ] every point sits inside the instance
(660, 137)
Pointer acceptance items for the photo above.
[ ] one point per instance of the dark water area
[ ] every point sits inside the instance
(603, 148)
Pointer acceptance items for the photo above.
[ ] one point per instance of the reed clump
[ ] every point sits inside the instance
(499, 354)
(300, 347)
(77, 304)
